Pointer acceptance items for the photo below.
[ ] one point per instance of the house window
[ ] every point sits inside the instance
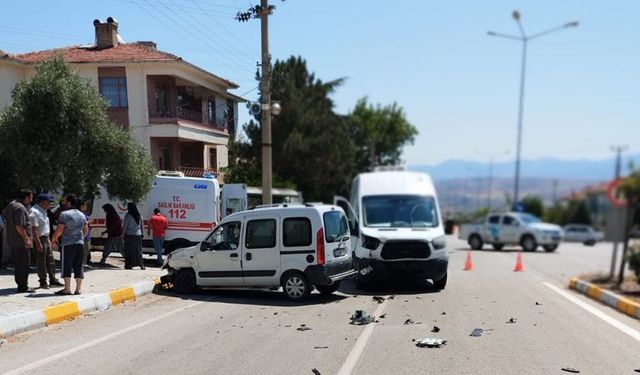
(213, 158)
(162, 100)
(166, 158)
(114, 91)
(211, 107)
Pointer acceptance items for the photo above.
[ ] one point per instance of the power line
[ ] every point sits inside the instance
(162, 21)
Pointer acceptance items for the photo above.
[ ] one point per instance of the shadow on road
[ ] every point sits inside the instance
(506, 250)
(397, 287)
(255, 297)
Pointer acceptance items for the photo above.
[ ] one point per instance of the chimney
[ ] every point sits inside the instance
(106, 33)
(148, 44)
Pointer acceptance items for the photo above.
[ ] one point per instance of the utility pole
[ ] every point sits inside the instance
(619, 149)
(263, 11)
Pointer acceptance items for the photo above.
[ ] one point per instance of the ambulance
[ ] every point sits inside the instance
(191, 206)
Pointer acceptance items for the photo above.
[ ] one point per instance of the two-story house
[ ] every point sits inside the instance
(183, 114)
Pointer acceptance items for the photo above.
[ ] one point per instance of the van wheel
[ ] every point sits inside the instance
(328, 289)
(528, 243)
(295, 286)
(185, 282)
(440, 284)
(498, 246)
(475, 242)
(550, 248)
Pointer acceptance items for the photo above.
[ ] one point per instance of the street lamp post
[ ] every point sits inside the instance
(490, 182)
(524, 38)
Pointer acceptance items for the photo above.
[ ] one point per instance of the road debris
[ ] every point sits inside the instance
(430, 343)
(418, 297)
(303, 327)
(361, 317)
(477, 332)
(409, 321)
(383, 316)
(571, 370)
(321, 347)
(538, 303)
(511, 321)
(443, 313)
(636, 369)
(393, 296)
(435, 329)
(315, 371)
(378, 299)
(275, 313)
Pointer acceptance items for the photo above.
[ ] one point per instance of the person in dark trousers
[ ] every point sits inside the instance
(133, 227)
(18, 232)
(42, 243)
(157, 227)
(71, 230)
(86, 257)
(113, 232)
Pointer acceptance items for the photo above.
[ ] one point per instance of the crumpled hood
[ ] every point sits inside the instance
(182, 257)
(390, 234)
(546, 226)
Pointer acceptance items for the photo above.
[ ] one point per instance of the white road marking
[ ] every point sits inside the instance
(356, 352)
(90, 344)
(617, 324)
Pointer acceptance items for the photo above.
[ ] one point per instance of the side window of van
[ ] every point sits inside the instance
(261, 234)
(296, 231)
(225, 237)
(495, 219)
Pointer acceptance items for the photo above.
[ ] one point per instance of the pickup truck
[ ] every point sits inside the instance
(512, 228)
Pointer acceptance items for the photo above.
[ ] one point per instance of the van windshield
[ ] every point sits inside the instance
(399, 211)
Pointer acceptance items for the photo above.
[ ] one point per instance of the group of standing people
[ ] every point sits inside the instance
(28, 228)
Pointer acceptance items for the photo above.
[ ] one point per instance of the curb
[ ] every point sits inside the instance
(622, 304)
(22, 322)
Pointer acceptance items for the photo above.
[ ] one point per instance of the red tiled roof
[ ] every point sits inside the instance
(125, 52)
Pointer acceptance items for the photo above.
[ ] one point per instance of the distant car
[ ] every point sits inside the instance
(582, 233)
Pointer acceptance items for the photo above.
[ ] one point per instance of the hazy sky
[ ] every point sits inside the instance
(457, 85)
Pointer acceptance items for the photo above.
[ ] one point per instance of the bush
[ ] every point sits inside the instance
(634, 259)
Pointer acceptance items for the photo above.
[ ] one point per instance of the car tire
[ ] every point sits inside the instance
(295, 286)
(185, 282)
(498, 246)
(590, 243)
(550, 248)
(528, 243)
(327, 290)
(475, 242)
(440, 284)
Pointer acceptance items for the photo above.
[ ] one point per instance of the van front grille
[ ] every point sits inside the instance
(405, 249)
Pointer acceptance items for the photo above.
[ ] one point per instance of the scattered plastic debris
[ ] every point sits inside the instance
(303, 327)
(511, 321)
(443, 313)
(571, 369)
(538, 303)
(275, 313)
(430, 343)
(435, 329)
(315, 371)
(393, 296)
(418, 297)
(378, 299)
(361, 317)
(636, 369)
(321, 347)
(409, 321)
(477, 332)
(383, 316)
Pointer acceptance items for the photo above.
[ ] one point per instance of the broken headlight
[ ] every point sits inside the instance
(439, 243)
(370, 243)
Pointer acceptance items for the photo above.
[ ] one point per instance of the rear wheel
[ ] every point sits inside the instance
(295, 286)
(550, 248)
(328, 289)
(440, 284)
(185, 282)
(528, 243)
(498, 246)
(475, 242)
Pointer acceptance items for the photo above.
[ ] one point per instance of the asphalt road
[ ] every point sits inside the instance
(255, 332)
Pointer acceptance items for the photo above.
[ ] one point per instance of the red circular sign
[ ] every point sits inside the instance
(612, 190)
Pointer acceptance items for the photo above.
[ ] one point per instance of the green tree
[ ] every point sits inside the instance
(244, 162)
(533, 205)
(56, 136)
(578, 213)
(556, 214)
(381, 133)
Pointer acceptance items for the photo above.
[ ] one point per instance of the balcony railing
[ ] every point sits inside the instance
(185, 114)
(189, 115)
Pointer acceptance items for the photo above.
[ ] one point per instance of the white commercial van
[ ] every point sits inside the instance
(400, 231)
(293, 246)
(191, 206)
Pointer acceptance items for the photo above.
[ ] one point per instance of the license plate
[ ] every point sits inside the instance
(337, 253)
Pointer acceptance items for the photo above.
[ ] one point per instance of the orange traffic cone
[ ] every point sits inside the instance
(468, 265)
(519, 265)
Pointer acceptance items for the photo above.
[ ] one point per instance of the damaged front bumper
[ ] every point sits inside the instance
(433, 269)
(328, 274)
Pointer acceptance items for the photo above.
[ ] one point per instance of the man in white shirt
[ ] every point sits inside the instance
(41, 234)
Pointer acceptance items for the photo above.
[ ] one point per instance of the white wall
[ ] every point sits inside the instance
(10, 75)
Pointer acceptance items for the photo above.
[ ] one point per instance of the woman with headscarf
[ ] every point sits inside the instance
(113, 232)
(133, 227)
